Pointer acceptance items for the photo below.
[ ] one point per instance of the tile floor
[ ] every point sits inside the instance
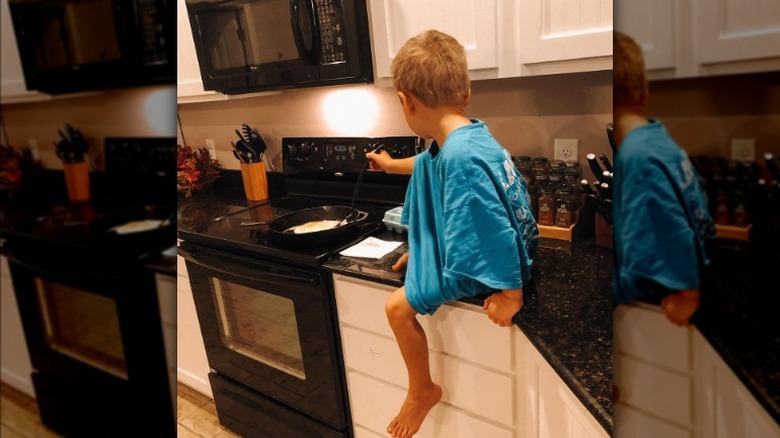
(196, 416)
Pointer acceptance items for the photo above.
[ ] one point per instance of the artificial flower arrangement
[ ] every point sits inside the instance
(16, 167)
(196, 170)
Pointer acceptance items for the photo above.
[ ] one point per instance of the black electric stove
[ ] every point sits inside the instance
(89, 304)
(265, 306)
(317, 171)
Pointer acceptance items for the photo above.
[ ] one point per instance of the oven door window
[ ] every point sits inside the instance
(259, 325)
(82, 325)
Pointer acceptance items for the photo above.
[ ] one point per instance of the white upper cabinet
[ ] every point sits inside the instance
(737, 30)
(563, 36)
(189, 84)
(472, 22)
(651, 24)
(12, 86)
(503, 38)
(703, 37)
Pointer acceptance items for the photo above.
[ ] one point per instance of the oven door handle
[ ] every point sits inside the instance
(268, 277)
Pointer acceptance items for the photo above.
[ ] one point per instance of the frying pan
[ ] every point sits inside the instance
(279, 228)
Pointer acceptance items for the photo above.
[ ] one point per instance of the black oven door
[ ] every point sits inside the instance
(95, 343)
(271, 328)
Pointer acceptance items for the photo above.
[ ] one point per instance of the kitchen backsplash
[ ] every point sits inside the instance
(704, 114)
(127, 112)
(524, 114)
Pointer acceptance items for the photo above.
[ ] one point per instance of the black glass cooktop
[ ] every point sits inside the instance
(243, 227)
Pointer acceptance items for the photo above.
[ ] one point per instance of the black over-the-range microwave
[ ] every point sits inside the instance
(79, 45)
(259, 45)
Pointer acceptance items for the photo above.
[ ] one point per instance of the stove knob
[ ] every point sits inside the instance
(292, 151)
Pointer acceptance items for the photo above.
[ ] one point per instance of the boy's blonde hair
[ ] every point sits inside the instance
(628, 75)
(432, 67)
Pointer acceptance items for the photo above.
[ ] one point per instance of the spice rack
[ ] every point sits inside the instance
(553, 232)
(733, 232)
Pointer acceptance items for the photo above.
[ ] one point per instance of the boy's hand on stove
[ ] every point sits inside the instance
(401, 262)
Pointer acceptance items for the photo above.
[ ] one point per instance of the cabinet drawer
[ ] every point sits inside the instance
(660, 392)
(465, 385)
(646, 334)
(459, 330)
(631, 423)
(375, 403)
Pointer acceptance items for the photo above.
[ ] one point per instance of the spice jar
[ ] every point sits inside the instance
(523, 164)
(546, 206)
(565, 210)
(539, 166)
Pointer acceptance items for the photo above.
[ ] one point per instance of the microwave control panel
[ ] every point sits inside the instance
(344, 155)
(330, 19)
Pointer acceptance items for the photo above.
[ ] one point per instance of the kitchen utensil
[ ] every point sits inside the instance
(587, 187)
(771, 164)
(354, 211)
(605, 162)
(598, 172)
(611, 137)
(253, 223)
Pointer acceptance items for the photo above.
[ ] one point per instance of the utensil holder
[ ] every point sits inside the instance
(603, 232)
(255, 181)
(77, 180)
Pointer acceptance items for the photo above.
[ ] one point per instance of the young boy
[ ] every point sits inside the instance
(471, 231)
(661, 217)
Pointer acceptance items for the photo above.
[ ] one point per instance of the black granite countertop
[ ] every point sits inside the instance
(739, 319)
(567, 313)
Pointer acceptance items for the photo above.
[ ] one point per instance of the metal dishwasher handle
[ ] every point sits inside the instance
(267, 277)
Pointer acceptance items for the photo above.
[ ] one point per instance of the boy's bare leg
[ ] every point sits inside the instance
(502, 306)
(423, 394)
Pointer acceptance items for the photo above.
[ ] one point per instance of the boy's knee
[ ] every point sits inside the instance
(396, 309)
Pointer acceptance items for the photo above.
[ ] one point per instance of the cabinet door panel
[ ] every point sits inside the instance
(375, 403)
(663, 393)
(736, 30)
(465, 385)
(459, 330)
(558, 30)
(631, 423)
(652, 26)
(471, 22)
(647, 335)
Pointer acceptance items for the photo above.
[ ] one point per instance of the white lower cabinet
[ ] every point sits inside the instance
(488, 390)
(192, 365)
(724, 406)
(672, 383)
(166, 298)
(15, 365)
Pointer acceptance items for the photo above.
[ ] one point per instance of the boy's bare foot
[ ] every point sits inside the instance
(680, 306)
(413, 413)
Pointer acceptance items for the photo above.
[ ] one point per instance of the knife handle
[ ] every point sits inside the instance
(587, 187)
(611, 137)
(771, 164)
(598, 172)
(605, 161)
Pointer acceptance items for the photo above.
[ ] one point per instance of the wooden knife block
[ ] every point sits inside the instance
(603, 232)
(255, 181)
(77, 181)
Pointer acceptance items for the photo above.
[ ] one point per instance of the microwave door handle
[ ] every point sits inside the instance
(309, 54)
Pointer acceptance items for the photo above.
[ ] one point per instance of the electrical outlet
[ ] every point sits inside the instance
(32, 143)
(567, 149)
(743, 149)
(212, 149)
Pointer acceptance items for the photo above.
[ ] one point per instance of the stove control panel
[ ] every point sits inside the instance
(341, 154)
